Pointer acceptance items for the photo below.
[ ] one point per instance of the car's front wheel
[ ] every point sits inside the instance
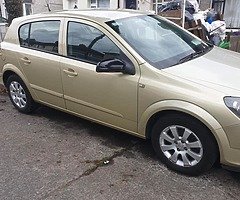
(19, 95)
(184, 144)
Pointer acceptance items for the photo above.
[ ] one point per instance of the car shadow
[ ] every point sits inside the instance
(110, 137)
(113, 139)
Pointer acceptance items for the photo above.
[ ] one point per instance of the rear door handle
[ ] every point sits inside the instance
(70, 72)
(26, 60)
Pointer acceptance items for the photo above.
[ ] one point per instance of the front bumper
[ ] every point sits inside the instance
(229, 151)
(233, 135)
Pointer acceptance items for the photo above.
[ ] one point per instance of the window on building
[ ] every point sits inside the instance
(42, 35)
(99, 3)
(218, 5)
(4, 13)
(87, 43)
(27, 7)
(131, 4)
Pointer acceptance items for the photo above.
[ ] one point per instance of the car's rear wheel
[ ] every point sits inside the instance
(184, 144)
(19, 95)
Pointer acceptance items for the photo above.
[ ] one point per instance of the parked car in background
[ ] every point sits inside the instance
(132, 71)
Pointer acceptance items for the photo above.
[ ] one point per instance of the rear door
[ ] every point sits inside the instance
(39, 58)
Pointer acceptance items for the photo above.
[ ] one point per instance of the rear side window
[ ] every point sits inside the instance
(43, 35)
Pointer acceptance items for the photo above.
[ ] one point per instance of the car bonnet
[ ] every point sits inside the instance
(218, 68)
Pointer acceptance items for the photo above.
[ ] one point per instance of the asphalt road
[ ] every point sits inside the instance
(53, 155)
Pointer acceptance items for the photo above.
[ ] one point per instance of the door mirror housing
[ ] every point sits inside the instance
(114, 66)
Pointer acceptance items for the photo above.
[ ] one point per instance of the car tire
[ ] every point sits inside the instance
(20, 95)
(184, 144)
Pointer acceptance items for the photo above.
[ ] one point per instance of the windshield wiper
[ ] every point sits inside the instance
(190, 56)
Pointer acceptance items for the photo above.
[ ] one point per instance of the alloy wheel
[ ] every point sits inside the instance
(18, 94)
(181, 146)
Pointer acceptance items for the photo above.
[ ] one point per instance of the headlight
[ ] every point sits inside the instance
(233, 103)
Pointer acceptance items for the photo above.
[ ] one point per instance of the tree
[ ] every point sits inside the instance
(14, 9)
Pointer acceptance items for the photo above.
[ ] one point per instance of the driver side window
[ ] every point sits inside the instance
(88, 44)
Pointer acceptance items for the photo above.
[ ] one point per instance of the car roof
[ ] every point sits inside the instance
(104, 15)
(99, 15)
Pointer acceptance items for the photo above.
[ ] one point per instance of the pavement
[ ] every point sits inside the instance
(2, 89)
(53, 155)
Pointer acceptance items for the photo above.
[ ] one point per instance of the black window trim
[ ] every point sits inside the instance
(29, 32)
(66, 46)
(83, 60)
(65, 41)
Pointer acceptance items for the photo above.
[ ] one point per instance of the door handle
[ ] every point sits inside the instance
(70, 72)
(26, 60)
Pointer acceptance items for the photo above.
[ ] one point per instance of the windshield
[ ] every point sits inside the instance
(159, 42)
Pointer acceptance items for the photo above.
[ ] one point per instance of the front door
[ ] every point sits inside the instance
(109, 98)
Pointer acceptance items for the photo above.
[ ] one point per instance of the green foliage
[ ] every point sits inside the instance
(14, 9)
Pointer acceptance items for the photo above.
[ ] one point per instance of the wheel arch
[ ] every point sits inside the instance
(159, 109)
(177, 106)
(9, 70)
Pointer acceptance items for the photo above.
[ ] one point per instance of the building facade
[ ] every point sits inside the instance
(112, 4)
(39, 6)
(227, 7)
(35, 6)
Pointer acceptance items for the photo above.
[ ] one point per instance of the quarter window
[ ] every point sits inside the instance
(23, 35)
(89, 44)
(42, 35)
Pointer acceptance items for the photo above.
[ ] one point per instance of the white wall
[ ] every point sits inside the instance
(39, 6)
(113, 4)
(144, 5)
(82, 4)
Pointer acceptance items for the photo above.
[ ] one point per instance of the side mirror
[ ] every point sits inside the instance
(114, 66)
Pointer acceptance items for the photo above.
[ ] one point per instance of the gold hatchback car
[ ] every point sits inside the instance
(132, 71)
